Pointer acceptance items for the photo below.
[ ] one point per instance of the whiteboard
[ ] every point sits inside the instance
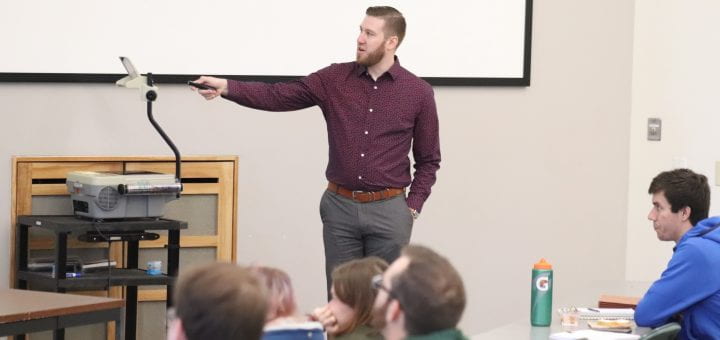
(451, 39)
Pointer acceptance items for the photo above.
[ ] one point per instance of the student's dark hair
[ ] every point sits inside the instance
(684, 188)
(430, 292)
(394, 20)
(220, 301)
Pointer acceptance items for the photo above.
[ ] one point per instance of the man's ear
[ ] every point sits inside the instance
(391, 43)
(685, 213)
(176, 331)
(394, 311)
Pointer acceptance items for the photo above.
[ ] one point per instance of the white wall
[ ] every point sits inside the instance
(675, 76)
(526, 172)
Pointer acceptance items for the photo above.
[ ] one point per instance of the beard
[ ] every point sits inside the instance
(372, 58)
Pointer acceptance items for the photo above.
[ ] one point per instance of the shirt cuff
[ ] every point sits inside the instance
(415, 202)
(232, 89)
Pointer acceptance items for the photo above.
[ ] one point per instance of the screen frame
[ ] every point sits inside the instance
(183, 78)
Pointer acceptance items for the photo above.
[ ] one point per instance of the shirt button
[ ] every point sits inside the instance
(375, 87)
(370, 110)
(362, 155)
(366, 132)
(359, 177)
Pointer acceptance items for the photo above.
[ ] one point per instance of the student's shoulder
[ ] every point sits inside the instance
(361, 333)
(696, 248)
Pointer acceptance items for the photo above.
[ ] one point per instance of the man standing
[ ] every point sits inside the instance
(376, 113)
(421, 297)
(688, 290)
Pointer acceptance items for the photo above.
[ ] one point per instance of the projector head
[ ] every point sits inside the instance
(134, 80)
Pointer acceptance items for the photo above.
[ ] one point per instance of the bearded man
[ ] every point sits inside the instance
(376, 113)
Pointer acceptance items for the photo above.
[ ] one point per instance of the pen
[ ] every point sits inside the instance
(594, 310)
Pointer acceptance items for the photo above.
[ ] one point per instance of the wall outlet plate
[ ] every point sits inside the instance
(654, 129)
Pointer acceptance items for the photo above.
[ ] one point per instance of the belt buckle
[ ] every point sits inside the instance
(356, 192)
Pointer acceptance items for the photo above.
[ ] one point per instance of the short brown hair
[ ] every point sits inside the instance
(220, 301)
(684, 188)
(352, 283)
(430, 292)
(394, 20)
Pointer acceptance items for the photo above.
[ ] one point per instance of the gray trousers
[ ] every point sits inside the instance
(353, 230)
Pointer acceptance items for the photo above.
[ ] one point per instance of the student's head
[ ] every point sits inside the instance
(381, 32)
(218, 301)
(352, 294)
(281, 299)
(680, 198)
(420, 293)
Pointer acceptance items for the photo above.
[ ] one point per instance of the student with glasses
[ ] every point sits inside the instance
(420, 296)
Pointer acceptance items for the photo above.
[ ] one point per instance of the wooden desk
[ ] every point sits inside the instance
(24, 311)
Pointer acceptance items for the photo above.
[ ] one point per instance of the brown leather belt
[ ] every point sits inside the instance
(365, 196)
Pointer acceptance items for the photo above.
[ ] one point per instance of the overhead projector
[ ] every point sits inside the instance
(107, 195)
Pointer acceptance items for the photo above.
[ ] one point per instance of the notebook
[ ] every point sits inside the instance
(606, 313)
(602, 313)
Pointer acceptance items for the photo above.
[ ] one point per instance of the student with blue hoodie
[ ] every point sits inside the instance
(688, 291)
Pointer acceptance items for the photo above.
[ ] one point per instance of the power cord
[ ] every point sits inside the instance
(109, 242)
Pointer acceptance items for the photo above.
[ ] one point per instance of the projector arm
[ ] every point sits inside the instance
(148, 92)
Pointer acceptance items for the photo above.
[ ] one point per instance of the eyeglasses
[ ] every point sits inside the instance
(377, 284)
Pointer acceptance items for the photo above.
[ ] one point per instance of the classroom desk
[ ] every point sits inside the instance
(521, 329)
(25, 311)
(578, 293)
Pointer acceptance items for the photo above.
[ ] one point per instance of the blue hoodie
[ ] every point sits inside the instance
(689, 286)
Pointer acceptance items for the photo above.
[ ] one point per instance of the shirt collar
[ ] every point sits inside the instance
(393, 72)
(447, 334)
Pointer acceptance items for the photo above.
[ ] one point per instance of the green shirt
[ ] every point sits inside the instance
(361, 333)
(448, 334)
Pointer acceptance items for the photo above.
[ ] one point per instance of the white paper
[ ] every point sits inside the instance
(590, 334)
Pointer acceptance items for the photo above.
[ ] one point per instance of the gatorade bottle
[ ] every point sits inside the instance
(541, 294)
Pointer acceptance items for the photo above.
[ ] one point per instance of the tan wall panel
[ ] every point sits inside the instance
(226, 208)
(60, 169)
(188, 169)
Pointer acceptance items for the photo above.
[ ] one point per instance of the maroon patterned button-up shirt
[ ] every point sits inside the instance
(372, 125)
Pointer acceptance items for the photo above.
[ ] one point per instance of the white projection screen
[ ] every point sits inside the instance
(451, 42)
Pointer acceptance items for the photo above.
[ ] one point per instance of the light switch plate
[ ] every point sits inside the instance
(654, 129)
